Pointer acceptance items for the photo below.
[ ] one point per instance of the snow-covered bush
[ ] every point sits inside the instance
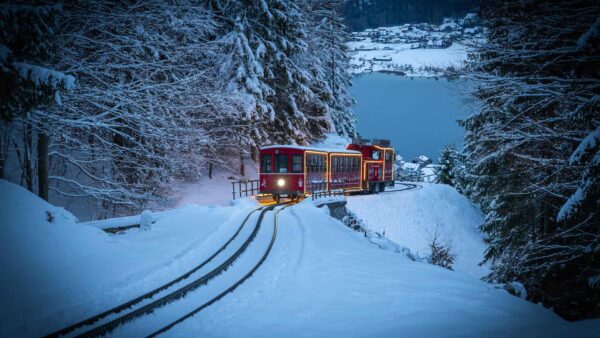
(441, 254)
(353, 222)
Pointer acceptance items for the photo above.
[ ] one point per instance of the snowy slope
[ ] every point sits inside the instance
(409, 218)
(324, 280)
(55, 273)
(403, 55)
(320, 280)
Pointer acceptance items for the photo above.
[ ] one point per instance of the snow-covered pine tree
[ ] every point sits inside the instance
(531, 145)
(328, 61)
(266, 40)
(147, 95)
(453, 169)
(28, 87)
(447, 161)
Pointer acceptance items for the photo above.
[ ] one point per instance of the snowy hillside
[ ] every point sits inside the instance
(415, 49)
(57, 271)
(324, 280)
(410, 218)
(321, 279)
(401, 58)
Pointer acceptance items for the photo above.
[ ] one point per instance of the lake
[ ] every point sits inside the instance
(418, 115)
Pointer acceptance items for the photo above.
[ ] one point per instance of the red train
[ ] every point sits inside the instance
(364, 166)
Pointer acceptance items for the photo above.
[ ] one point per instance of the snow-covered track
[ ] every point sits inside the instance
(232, 287)
(107, 327)
(409, 186)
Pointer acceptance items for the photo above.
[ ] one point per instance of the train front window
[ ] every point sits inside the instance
(266, 162)
(296, 163)
(376, 154)
(281, 163)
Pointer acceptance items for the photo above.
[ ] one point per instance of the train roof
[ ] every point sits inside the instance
(327, 150)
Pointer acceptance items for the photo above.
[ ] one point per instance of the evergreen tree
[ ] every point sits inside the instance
(265, 41)
(328, 60)
(28, 86)
(533, 143)
(447, 161)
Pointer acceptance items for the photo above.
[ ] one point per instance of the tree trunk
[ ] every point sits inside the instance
(42, 159)
(210, 170)
(254, 153)
(242, 169)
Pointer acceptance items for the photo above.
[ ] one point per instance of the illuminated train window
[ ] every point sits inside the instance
(316, 162)
(296, 163)
(266, 164)
(281, 163)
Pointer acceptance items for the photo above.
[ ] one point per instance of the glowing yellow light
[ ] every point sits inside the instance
(280, 182)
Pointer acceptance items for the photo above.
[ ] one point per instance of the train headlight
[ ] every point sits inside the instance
(280, 182)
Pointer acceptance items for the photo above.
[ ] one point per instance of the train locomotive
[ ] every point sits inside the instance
(296, 171)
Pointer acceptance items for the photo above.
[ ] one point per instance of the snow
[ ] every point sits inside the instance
(330, 150)
(40, 75)
(428, 173)
(212, 191)
(402, 54)
(410, 218)
(409, 166)
(321, 279)
(324, 280)
(54, 272)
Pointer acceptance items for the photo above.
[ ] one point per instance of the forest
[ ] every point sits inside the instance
(362, 14)
(110, 101)
(531, 157)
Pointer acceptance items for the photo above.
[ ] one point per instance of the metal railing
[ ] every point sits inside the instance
(318, 189)
(246, 191)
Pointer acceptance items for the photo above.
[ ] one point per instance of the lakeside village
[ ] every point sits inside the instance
(420, 169)
(415, 49)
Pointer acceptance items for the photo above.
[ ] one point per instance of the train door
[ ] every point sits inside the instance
(374, 172)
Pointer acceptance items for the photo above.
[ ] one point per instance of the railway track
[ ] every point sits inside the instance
(177, 288)
(409, 186)
(232, 287)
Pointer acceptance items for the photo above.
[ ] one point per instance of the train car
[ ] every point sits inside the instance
(378, 163)
(296, 171)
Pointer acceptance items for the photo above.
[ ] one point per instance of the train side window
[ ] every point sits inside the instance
(388, 156)
(281, 163)
(297, 163)
(266, 163)
(321, 163)
(376, 154)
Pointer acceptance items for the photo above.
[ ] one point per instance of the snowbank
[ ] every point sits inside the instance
(325, 280)
(410, 218)
(56, 271)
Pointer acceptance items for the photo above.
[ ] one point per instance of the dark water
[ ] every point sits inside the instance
(418, 115)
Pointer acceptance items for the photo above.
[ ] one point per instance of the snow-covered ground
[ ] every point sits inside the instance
(324, 280)
(54, 273)
(320, 280)
(421, 61)
(410, 218)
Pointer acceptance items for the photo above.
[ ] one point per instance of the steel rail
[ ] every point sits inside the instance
(410, 186)
(119, 308)
(179, 293)
(231, 288)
